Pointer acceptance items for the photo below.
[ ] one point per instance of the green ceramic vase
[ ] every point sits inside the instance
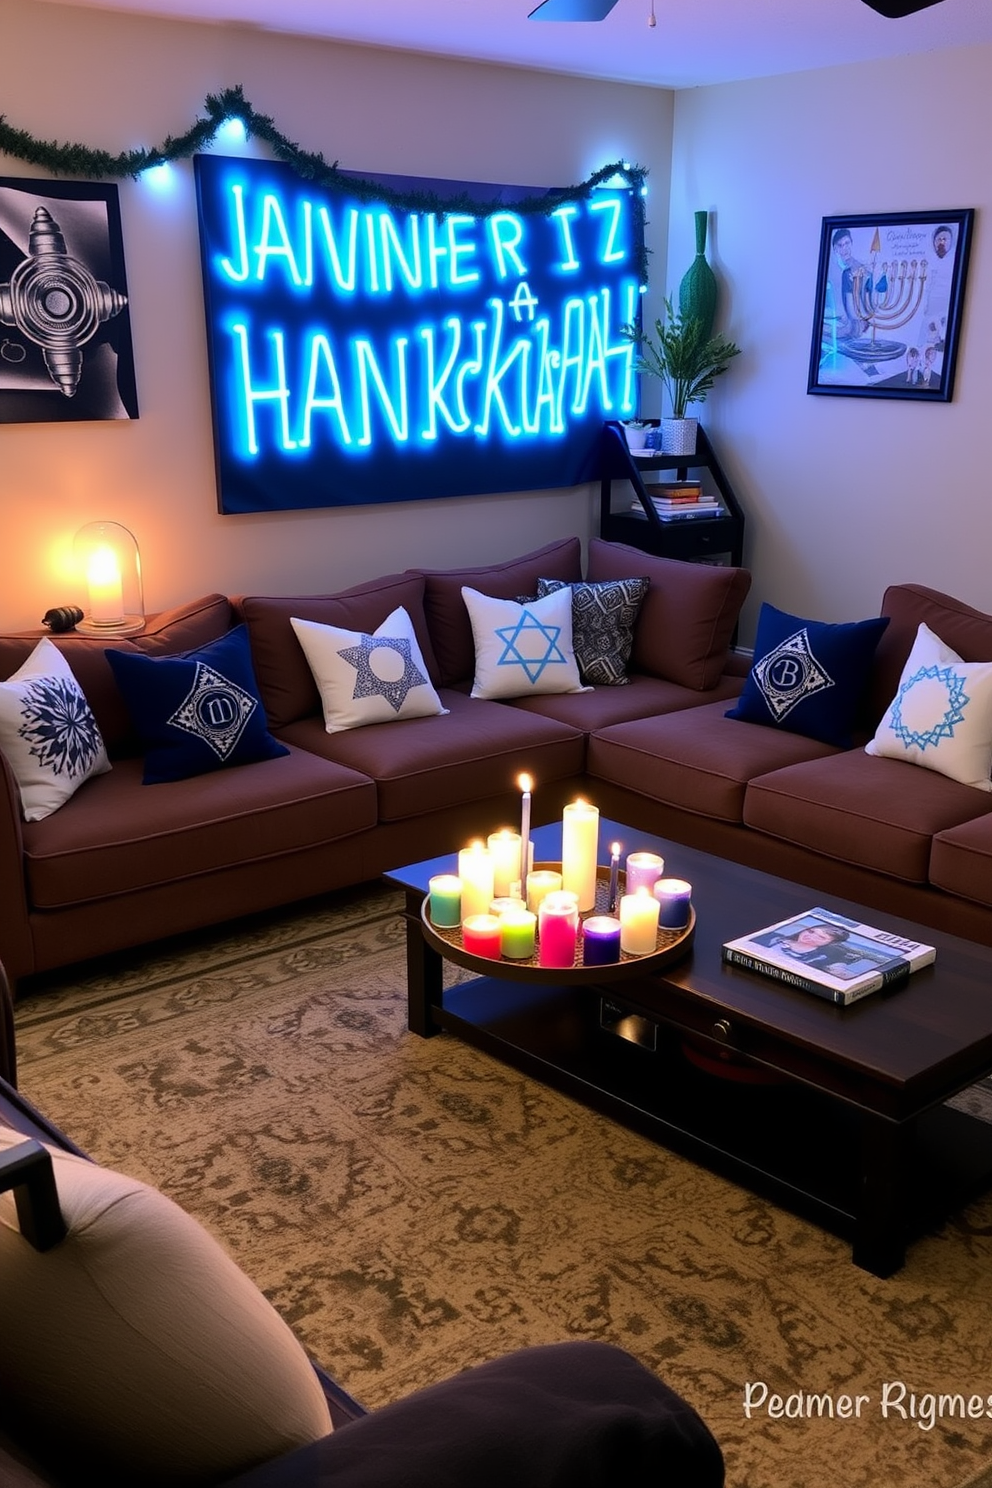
(697, 292)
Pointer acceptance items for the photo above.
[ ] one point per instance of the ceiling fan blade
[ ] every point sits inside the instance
(896, 9)
(572, 10)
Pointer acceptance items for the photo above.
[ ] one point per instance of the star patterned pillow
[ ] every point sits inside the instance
(366, 679)
(941, 715)
(809, 676)
(522, 650)
(196, 712)
(603, 619)
(47, 732)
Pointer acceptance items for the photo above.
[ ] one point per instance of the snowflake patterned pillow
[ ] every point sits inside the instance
(366, 679)
(941, 715)
(522, 650)
(47, 732)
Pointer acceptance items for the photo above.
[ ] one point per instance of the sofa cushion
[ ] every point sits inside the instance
(877, 813)
(941, 715)
(116, 836)
(603, 620)
(522, 650)
(966, 630)
(364, 679)
(808, 676)
(447, 617)
(695, 759)
(643, 697)
(138, 1347)
(961, 860)
(175, 630)
(196, 712)
(421, 765)
(285, 681)
(48, 732)
(688, 616)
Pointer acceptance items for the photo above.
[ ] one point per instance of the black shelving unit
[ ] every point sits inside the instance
(717, 538)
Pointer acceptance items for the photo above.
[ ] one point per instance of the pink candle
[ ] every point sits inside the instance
(481, 936)
(558, 928)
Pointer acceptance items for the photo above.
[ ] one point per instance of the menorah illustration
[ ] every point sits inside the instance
(884, 301)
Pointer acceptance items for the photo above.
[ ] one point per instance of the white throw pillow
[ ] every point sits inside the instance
(48, 732)
(368, 679)
(137, 1344)
(522, 650)
(941, 716)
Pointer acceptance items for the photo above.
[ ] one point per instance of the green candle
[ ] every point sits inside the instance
(517, 929)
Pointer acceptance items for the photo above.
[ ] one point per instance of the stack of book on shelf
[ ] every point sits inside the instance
(676, 500)
(829, 955)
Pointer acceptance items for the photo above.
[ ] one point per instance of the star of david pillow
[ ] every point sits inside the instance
(198, 711)
(48, 732)
(941, 715)
(808, 676)
(363, 679)
(603, 619)
(522, 650)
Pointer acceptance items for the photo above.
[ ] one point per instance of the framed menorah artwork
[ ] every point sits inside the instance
(889, 294)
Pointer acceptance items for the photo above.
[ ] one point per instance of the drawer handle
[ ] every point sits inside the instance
(722, 1030)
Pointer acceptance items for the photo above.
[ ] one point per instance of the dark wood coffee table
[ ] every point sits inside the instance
(834, 1113)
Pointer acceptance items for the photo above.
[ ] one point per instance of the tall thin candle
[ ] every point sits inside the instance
(614, 876)
(526, 784)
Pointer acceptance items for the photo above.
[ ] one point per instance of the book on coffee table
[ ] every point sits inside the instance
(829, 955)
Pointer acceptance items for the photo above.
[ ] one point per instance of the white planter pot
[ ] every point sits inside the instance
(678, 436)
(636, 436)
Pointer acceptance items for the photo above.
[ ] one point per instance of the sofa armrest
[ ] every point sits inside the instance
(16, 947)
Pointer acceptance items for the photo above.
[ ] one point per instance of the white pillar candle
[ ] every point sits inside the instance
(539, 884)
(504, 849)
(579, 847)
(639, 923)
(475, 869)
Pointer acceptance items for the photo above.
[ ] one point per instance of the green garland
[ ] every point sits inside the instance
(77, 160)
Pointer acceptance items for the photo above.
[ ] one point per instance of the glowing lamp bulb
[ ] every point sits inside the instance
(106, 588)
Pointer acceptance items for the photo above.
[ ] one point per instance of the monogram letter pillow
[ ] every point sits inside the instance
(808, 677)
(522, 650)
(196, 712)
(941, 715)
(47, 732)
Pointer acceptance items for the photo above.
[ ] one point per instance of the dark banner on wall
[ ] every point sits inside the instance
(65, 333)
(362, 354)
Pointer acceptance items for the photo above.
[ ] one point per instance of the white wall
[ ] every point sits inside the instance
(844, 495)
(117, 82)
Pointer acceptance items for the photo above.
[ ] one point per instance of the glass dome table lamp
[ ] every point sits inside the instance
(108, 561)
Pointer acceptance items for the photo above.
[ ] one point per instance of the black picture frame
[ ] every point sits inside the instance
(889, 292)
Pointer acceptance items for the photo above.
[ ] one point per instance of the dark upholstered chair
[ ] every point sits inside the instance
(133, 1350)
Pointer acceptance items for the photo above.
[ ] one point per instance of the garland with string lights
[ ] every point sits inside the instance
(77, 160)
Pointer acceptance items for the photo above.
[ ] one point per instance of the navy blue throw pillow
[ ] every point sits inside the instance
(808, 677)
(196, 712)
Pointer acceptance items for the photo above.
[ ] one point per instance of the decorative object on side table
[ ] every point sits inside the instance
(688, 362)
(698, 290)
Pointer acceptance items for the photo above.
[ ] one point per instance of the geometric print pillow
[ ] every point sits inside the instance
(941, 715)
(522, 650)
(196, 712)
(808, 676)
(365, 679)
(603, 620)
(48, 732)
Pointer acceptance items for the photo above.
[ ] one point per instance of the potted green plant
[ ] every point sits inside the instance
(687, 361)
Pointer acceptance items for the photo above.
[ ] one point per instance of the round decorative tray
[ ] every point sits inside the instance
(670, 946)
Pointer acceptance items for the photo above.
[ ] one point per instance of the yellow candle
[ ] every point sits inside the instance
(579, 846)
(639, 923)
(539, 884)
(475, 869)
(504, 848)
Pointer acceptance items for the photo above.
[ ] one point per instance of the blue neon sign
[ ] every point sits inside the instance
(363, 354)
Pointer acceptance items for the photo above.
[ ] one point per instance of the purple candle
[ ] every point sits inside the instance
(674, 895)
(600, 940)
(643, 870)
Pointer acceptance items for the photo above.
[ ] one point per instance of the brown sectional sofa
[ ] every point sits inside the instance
(121, 863)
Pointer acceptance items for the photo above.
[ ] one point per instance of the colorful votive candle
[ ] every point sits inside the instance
(475, 869)
(558, 928)
(507, 903)
(674, 898)
(482, 936)
(540, 883)
(504, 849)
(600, 940)
(518, 929)
(643, 870)
(639, 923)
(579, 851)
(445, 900)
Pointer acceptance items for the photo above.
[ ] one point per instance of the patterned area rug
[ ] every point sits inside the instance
(412, 1207)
